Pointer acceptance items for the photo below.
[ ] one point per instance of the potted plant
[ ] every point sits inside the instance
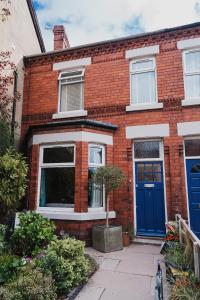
(107, 238)
(127, 235)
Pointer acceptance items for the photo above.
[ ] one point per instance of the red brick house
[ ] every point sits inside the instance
(133, 102)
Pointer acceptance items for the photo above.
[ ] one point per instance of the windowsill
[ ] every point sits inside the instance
(65, 214)
(190, 102)
(135, 107)
(70, 114)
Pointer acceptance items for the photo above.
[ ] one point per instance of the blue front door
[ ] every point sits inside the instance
(193, 181)
(150, 207)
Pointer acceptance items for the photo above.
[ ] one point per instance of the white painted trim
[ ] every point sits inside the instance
(70, 114)
(147, 131)
(188, 44)
(134, 181)
(74, 216)
(72, 64)
(190, 102)
(186, 184)
(135, 107)
(73, 136)
(188, 128)
(144, 51)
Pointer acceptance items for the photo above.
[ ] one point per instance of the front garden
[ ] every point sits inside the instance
(35, 263)
(179, 262)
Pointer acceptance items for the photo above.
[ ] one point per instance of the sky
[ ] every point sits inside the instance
(88, 21)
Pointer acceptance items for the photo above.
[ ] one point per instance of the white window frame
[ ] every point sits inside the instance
(195, 100)
(161, 150)
(152, 58)
(93, 165)
(50, 165)
(75, 81)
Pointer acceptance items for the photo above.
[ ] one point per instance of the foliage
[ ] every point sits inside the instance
(13, 172)
(3, 244)
(5, 138)
(31, 284)
(185, 289)
(6, 81)
(66, 261)
(172, 231)
(175, 256)
(111, 177)
(33, 233)
(9, 267)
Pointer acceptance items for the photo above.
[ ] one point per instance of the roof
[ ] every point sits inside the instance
(36, 25)
(117, 40)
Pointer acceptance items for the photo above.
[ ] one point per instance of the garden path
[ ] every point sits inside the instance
(128, 274)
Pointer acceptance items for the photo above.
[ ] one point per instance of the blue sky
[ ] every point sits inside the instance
(88, 21)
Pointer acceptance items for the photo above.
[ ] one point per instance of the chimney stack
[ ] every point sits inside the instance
(60, 38)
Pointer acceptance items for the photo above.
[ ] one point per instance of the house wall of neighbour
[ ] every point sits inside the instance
(18, 36)
(106, 95)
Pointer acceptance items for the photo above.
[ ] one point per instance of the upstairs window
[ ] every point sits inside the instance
(143, 81)
(71, 91)
(192, 74)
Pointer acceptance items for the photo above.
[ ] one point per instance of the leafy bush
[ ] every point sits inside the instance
(185, 289)
(33, 233)
(31, 284)
(9, 267)
(175, 256)
(5, 138)
(13, 172)
(66, 260)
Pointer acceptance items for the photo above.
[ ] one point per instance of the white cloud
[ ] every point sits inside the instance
(90, 21)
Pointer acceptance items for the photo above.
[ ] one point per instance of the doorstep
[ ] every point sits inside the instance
(156, 241)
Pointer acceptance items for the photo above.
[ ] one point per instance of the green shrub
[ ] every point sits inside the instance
(176, 257)
(13, 173)
(185, 289)
(31, 284)
(66, 260)
(5, 138)
(33, 234)
(3, 244)
(9, 267)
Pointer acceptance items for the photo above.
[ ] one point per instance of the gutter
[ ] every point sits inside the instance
(36, 25)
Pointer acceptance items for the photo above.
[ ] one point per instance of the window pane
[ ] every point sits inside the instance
(71, 97)
(149, 149)
(192, 86)
(58, 155)
(157, 177)
(193, 61)
(95, 155)
(195, 168)
(142, 65)
(57, 187)
(95, 192)
(192, 147)
(144, 87)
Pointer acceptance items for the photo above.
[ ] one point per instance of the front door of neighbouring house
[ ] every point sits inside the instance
(192, 156)
(193, 180)
(149, 189)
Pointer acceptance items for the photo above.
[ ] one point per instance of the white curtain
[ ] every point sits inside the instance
(144, 87)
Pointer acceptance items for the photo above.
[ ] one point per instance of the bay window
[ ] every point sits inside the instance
(57, 176)
(95, 192)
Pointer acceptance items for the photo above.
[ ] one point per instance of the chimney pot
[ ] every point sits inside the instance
(60, 38)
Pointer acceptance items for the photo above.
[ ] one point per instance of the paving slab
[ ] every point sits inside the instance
(128, 274)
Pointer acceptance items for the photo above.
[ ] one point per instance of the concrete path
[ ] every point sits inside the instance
(128, 274)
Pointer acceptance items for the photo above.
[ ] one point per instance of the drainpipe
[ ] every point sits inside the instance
(14, 107)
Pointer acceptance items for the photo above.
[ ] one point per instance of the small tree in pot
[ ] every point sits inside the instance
(108, 238)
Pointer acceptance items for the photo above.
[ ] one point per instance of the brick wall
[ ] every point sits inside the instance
(106, 95)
